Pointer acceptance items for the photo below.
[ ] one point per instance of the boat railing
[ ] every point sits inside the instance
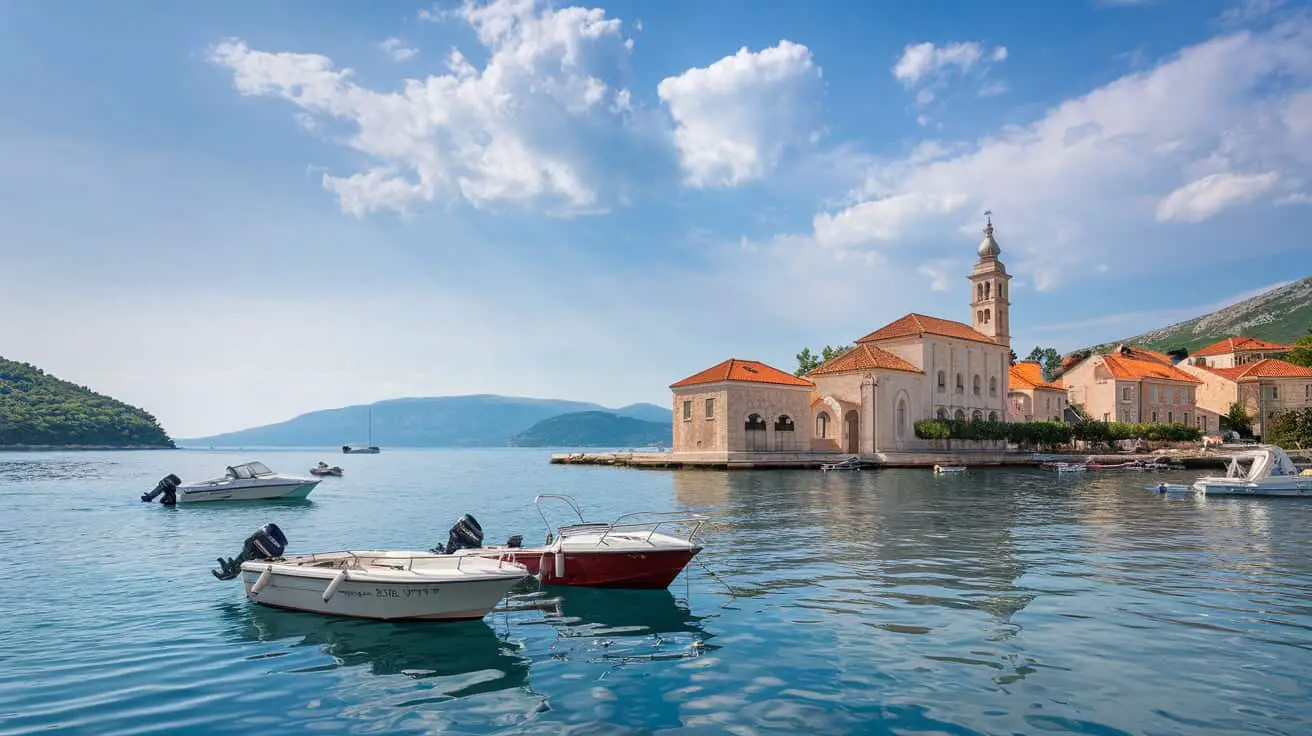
(680, 517)
(406, 563)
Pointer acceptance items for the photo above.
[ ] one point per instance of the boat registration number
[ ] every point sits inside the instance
(404, 592)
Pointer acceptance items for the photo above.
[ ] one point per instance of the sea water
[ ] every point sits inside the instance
(873, 602)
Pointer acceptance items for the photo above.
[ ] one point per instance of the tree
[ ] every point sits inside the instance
(1237, 420)
(808, 361)
(1302, 352)
(1049, 358)
(1291, 429)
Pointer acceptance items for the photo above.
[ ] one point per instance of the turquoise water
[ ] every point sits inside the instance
(877, 602)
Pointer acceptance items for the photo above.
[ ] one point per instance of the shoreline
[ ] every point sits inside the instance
(80, 448)
(924, 459)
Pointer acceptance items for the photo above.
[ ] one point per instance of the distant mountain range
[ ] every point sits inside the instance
(594, 429)
(482, 420)
(1281, 315)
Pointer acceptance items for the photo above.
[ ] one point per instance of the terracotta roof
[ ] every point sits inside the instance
(861, 358)
(1266, 368)
(1132, 363)
(737, 369)
(1239, 344)
(1029, 374)
(918, 324)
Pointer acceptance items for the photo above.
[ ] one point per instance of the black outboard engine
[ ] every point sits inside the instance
(167, 487)
(515, 542)
(267, 543)
(466, 534)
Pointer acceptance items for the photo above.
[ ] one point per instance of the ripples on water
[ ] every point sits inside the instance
(992, 602)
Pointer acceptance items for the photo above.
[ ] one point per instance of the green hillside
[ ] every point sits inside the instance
(39, 409)
(594, 429)
(1281, 315)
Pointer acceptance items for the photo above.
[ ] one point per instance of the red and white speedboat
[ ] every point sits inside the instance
(630, 552)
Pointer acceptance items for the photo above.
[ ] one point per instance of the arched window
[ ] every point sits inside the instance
(988, 315)
(755, 428)
(959, 415)
(961, 384)
(979, 292)
(977, 416)
(993, 416)
(822, 425)
(783, 433)
(755, 423)
(901, 419)
(783, 424)
(941, 413)
(974, 384)
(988, 287)
(993, 385)
(942, 382)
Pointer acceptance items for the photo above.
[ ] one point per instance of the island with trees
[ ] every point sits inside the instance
(39, 411)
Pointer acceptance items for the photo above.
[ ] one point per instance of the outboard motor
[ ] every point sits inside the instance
(168, 487)
(515, 542)
(267, 543)
(466, 534)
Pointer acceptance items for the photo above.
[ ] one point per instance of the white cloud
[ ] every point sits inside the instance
(1294, 198)
(397, 49)
(944, 274)
(1249, 10)
(522, 129)
(1081, 184)
(734, 118)
(1201, 199)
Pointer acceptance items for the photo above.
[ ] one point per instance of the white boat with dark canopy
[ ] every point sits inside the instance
(387, 585)
(1269, 472)
(252, 481)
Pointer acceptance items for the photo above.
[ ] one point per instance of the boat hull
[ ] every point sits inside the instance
(643, 570)
(1288, 488)
(290, 490)
(411, 600)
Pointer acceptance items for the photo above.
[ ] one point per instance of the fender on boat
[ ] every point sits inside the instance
(336, 583)
(560, 563)
(263, 580)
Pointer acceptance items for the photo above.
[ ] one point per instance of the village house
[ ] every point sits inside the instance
(1133, 384)
(1234, 351)
(868, 398)
(1034, 398)
(1264, 388)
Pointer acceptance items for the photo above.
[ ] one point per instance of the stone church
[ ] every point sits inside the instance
(868, 398)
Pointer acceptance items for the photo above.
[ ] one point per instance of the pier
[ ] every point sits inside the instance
(1191, 459)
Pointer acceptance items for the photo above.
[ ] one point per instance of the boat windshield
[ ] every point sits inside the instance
(250, 470)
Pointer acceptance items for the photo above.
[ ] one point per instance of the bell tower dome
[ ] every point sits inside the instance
(990, 290)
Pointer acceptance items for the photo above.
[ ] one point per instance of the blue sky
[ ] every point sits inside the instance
(231, 213)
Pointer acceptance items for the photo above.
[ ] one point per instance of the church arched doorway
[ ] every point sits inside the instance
(852, 430)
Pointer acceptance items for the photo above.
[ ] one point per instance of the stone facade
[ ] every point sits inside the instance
(1265, 389)
(1133, 385)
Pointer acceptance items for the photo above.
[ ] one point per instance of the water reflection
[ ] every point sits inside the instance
(588, 611)
(416, 650)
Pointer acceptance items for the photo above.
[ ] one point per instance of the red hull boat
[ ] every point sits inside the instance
(630, 552)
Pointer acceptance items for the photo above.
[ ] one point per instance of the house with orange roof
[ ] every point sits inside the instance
(1132, 384)
(868, 398)
(1033, 397)
(1265, 388)
(1234, 351)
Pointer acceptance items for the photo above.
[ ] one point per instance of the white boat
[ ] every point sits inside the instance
(367, 449)
(388, 585)
(852, 463)
(949, 468)
(1070, 467)
(1270, 472)
(252, 481)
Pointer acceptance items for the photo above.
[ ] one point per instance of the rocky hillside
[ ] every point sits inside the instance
(1280, 315)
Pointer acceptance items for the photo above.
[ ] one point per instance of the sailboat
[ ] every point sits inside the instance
(371, 449)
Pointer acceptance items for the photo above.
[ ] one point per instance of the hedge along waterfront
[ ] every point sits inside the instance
(1053, 433)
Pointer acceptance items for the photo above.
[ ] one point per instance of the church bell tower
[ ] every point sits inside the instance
(990, 298)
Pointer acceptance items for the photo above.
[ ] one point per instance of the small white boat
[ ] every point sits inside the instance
(852, 463)
(949, 468)
(388, 585)
(323, 469)
(1270, 472)
(252, 481)
(1070, 467)
(352, 450)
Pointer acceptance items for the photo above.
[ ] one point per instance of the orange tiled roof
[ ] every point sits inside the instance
(861, 358)
(1266, 368)
(1136, 363)
(737, 369)
(918, 324)
(1239, 344)
(1029, 374)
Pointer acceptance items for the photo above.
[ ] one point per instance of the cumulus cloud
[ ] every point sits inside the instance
(396, 48)
(1201, 199)
(1089, 179)
(922, 61)
(734, 118)
(518, 130)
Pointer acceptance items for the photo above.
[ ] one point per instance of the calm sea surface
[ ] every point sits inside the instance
(994, 602)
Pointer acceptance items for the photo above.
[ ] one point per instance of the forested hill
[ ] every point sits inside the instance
(39, 409)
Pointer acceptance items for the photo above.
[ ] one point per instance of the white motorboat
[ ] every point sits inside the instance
(388, 585)
(1269, 472)
(252, 481)
(852, 463)
(949, 468)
